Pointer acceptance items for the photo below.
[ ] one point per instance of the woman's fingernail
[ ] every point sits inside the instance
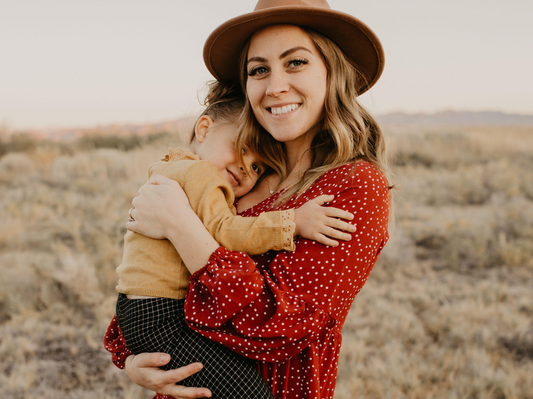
(163, 359)
(198, 367)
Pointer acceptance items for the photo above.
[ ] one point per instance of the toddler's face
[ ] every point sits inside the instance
(218, 147)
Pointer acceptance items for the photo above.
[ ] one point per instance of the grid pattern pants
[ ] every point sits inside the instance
(158, 325)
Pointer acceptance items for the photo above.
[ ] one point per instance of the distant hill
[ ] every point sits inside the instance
(398, 119)
(65, 134)
(456, 118)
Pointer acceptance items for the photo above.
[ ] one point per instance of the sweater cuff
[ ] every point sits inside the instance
(287, 230)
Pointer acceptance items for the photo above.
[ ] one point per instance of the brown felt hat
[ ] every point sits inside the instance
(223, 47)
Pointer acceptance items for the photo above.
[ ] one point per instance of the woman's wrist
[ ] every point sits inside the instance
(192, 240)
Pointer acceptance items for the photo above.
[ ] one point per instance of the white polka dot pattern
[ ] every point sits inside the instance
(287, 309)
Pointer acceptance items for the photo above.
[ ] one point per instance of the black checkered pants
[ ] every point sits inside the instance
(158, 325)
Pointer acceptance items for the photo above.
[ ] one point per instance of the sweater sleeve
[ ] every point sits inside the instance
(271, 313)
(211, 198)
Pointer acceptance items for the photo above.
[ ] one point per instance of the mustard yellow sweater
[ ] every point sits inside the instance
(154, 268)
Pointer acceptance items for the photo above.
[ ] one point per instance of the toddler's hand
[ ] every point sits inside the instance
(322, 224)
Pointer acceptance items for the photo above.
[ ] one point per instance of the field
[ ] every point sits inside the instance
(446, 313)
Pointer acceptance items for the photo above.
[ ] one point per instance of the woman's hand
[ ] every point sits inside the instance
(157, 209)
(144, 370)
(322, 224)
(162, 210)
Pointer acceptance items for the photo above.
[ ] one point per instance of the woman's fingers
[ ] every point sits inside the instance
(131, 220)
(176, 375)
(173, 377)
(179, 391)
(159, 179)
(148, 359)
(143, 369)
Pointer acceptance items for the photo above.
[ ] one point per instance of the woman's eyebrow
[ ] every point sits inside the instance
(283, 55)
(292, 50)
(258, 59)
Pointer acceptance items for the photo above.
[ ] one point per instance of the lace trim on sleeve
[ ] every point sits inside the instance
(287, 227)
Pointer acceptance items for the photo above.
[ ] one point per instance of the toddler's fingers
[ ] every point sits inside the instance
(341, 225)
(322, 239)
(322, 199)
(338, 213)
(336, 234)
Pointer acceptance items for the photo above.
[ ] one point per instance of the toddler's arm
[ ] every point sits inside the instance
(211, 199)
(319, 223)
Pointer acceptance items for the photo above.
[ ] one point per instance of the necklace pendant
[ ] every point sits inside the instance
(271, 191)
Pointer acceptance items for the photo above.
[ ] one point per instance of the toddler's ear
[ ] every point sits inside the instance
(202, 127)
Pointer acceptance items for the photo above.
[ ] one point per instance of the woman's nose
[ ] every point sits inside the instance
(277, 84)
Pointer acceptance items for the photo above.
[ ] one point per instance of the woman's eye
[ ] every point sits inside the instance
(243, 150)
(256, 168)
(258, 70)
(298, 62)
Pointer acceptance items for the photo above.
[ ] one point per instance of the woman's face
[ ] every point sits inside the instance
(286, 83)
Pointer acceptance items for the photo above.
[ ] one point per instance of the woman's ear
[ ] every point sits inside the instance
(202, 127)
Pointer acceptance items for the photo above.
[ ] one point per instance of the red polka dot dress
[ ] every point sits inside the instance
(287, 309)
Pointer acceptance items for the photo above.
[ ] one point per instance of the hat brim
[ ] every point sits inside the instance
(223, 47)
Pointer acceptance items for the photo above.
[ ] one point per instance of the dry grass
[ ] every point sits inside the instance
(447, 313)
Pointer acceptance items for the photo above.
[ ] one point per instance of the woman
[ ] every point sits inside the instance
(302, 67)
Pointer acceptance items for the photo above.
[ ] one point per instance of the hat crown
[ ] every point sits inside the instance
(266, 4)
(361, 46)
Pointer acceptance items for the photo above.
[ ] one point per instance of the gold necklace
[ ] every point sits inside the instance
(286, 184)
(288, 180)
(269, 189)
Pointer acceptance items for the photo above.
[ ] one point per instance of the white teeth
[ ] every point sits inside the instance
(284, 109)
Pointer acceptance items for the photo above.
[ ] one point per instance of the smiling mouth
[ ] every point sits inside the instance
(234, 178)
(283, 110)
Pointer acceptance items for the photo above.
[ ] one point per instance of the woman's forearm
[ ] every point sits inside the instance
(192, 241)
(162, 210)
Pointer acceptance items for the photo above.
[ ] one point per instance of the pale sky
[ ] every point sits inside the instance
(80, 63)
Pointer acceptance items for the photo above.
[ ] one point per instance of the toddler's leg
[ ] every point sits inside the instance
(158, 325)
(226, 373)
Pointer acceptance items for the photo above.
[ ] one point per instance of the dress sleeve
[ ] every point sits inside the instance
(272, 312)
(229, 301)
(115, 344)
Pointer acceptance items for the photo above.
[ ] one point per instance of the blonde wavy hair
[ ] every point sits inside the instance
(348, 132)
